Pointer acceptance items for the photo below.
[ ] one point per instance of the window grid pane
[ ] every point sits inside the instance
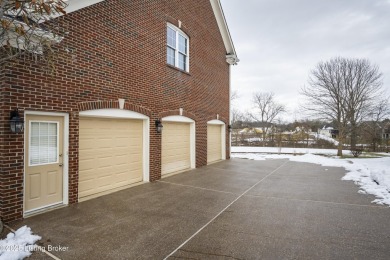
(170, 56)
(182, 44)
(171, 37)
(182, 61)
(43, 143)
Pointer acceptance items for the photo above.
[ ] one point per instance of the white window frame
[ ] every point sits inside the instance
(179, 32)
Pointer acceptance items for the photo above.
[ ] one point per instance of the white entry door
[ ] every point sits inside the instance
(43, 162)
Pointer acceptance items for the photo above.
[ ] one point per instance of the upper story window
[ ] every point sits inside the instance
(177, 48)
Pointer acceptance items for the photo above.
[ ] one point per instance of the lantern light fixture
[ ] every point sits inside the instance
(159, 126)
(15, 122)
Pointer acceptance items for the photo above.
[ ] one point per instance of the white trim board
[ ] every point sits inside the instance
(113, 113)
(182, 119)
(215, 122)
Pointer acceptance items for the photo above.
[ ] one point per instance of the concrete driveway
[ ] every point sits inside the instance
(237, 209)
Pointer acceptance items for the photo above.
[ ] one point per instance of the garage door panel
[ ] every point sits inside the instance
(87, 165)
(175, 166)
(86, 187)
(88, 174)
(110, 153)
(122, 142)
(175, 147)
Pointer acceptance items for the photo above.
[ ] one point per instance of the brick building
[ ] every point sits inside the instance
(92, 129)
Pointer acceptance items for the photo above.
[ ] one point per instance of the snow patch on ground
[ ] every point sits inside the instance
(372, 175)
(18, 245)
(252, 149)
(326, 138)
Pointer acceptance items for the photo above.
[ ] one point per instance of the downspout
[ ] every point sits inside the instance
(231, 59)
(230, 111)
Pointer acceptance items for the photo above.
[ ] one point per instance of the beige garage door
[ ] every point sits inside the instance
(175, 153)
(214, 143)
(110, 152)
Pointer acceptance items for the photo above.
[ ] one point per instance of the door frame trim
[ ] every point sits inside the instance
(184, 119)
(65, 162)
(112, 113)
(223, 135)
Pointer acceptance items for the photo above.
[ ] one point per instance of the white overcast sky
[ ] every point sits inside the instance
(278, 42)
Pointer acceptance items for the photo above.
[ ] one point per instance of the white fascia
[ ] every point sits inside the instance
(74, 5)
(231, 55)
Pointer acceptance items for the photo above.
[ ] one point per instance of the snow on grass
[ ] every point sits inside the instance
(252, 149)
(18, 245)
(326, 138)
(372, 175)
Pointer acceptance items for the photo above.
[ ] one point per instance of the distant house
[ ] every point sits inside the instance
(255, 130)
(328, 131)
(302, 129)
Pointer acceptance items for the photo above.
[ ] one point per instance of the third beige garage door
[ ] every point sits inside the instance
(175, 151)
(214, 143)
(110, 154)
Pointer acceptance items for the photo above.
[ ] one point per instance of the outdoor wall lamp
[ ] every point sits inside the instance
(15, 122)
(159, 126)
(230, 128)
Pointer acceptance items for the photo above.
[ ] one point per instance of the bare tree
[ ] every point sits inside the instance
(238, 119)
(234, 95)
(363, 84)
(266, 109)
(342, 90)
(30, 27)
(376, 115)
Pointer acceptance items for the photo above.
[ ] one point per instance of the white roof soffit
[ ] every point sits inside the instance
(74, 5)
(231, 55)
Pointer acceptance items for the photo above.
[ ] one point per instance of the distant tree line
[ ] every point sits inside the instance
(345, 94)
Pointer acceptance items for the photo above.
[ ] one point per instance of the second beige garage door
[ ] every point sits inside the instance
(110, 154)
(175, 151)
(214, 143)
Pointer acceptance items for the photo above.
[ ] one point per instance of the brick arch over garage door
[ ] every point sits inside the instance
(93, 105)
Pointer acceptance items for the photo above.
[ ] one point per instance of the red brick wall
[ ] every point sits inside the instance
(118, 50)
